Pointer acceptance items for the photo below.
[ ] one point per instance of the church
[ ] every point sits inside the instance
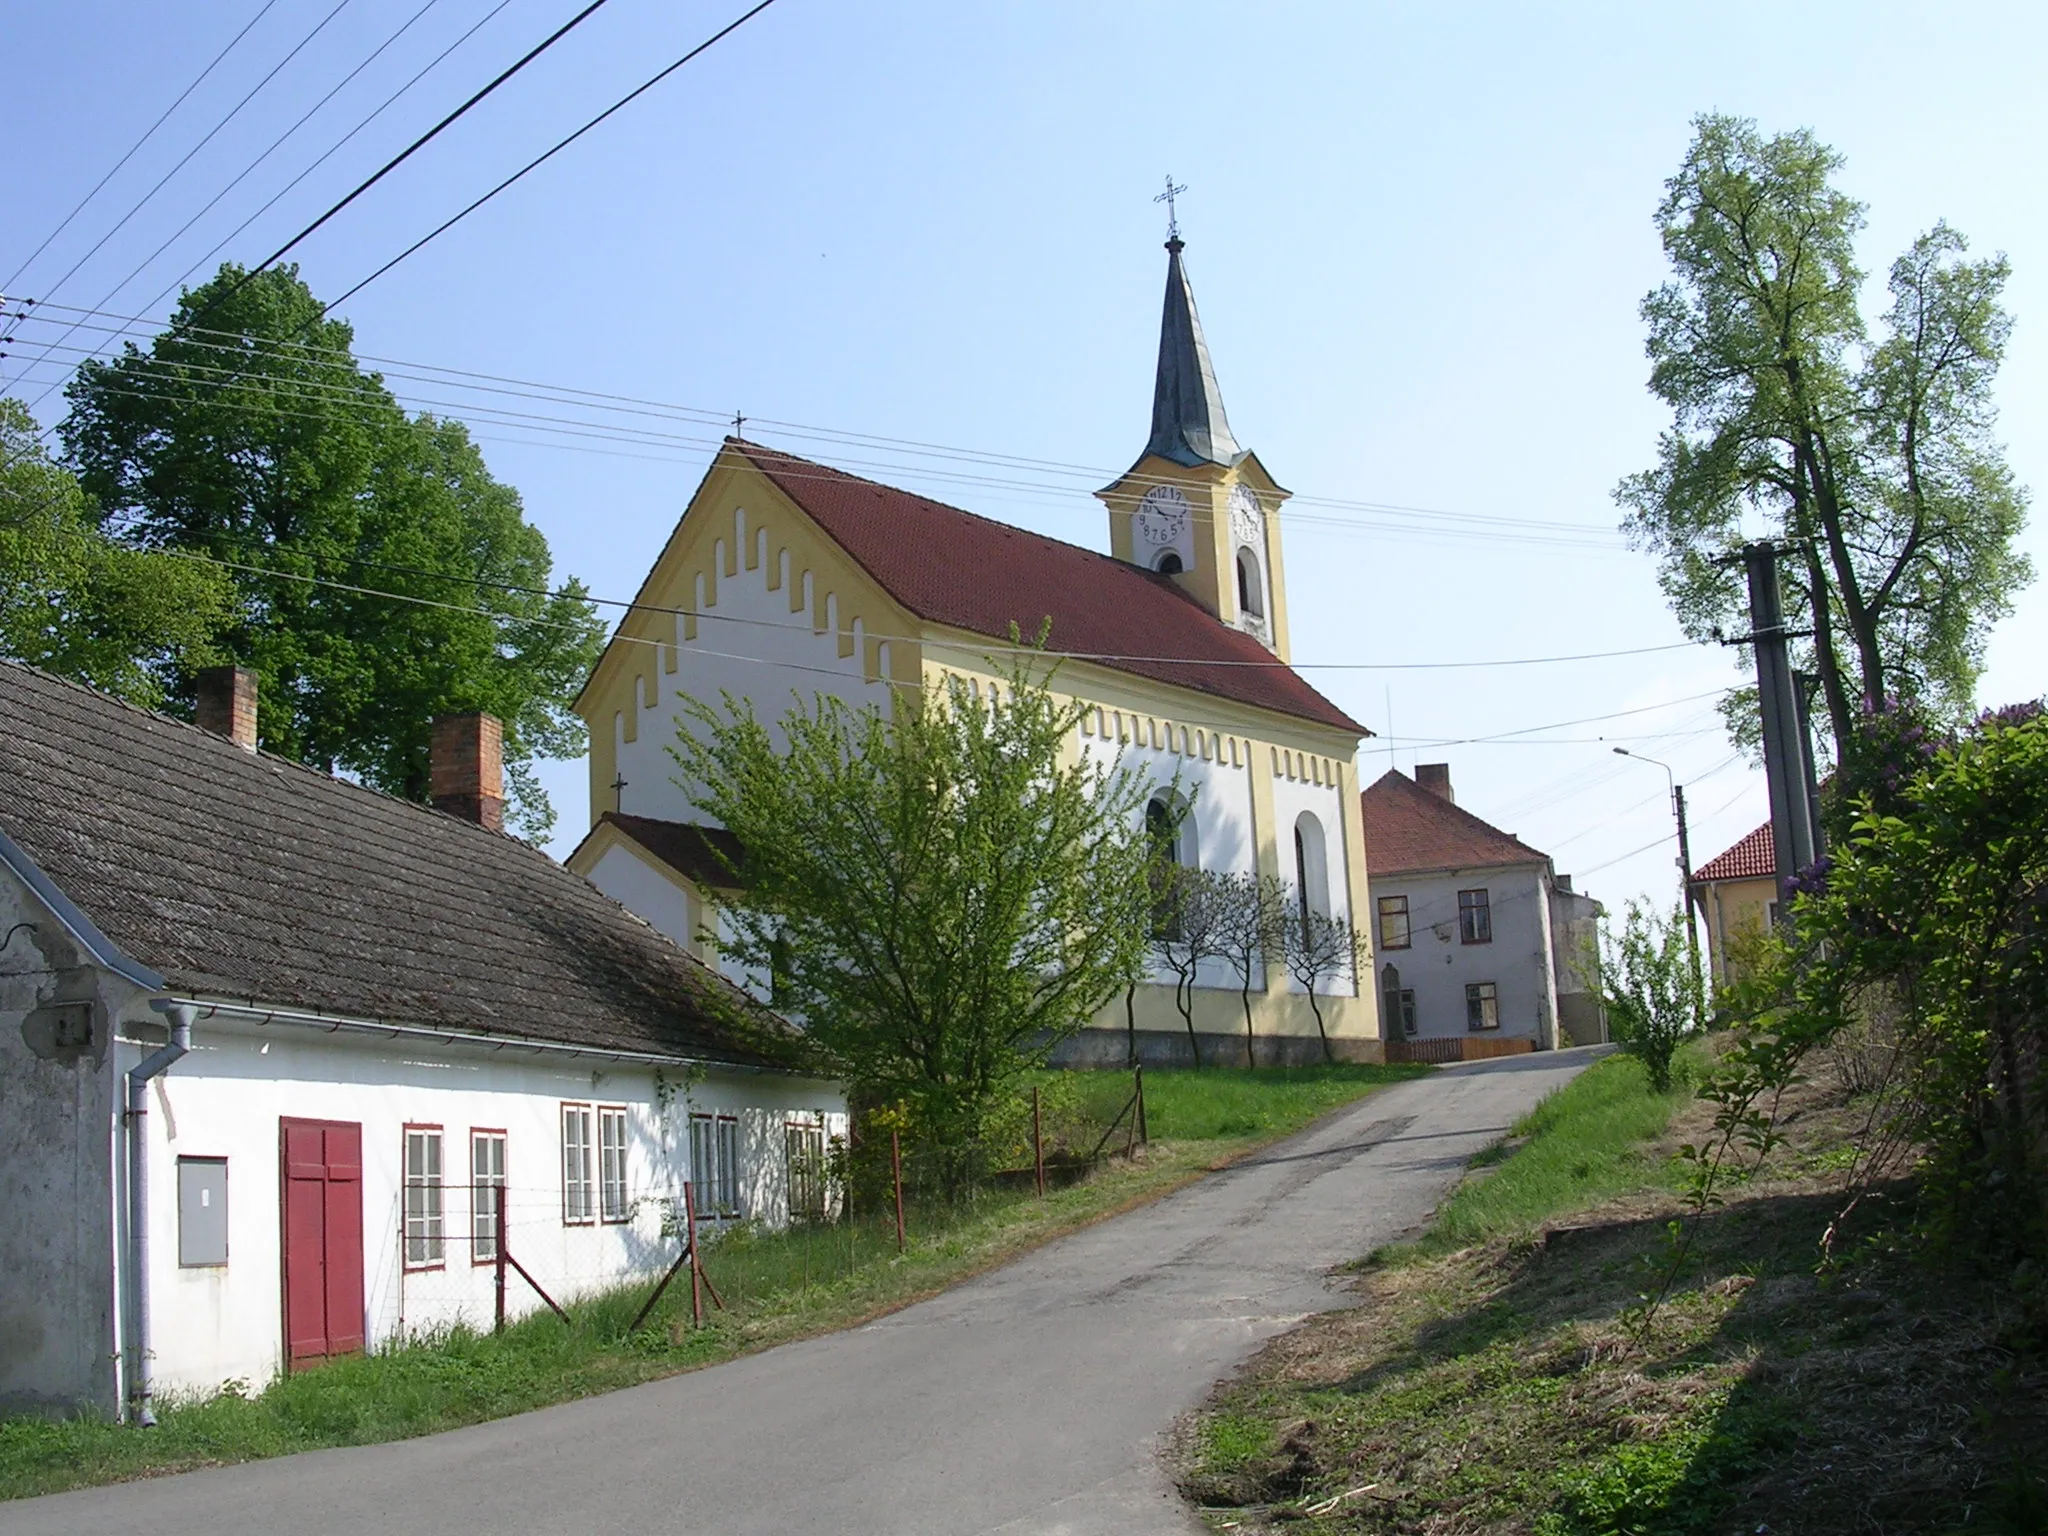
(786, 577)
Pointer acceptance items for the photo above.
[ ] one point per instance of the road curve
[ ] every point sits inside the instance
(1031, 1400)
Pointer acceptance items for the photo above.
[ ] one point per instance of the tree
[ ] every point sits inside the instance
(247, 434)
(1187, 932)
(1318, 948)
(1654, 1000)
(1875, 465)
(78, 603)
(1252, 919)
(943, 897)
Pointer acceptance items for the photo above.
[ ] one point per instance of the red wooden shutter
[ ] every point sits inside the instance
(344, 1238)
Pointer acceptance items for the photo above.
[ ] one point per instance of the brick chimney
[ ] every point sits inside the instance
(466, 769)
(226, 704)
(1436, 778)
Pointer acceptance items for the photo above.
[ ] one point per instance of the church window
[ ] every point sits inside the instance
(1170, 564)
(1311, 867)
(1250, 593)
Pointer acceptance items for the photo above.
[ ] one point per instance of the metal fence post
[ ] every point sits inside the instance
(1037, 1144)
(1144, 1132)
(896, 1173)
(498, 1261)
(696, 1271)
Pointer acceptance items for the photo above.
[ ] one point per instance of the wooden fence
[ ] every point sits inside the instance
(1455, 1048)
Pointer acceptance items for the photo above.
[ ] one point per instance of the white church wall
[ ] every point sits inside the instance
(630, 881)
(748, 642)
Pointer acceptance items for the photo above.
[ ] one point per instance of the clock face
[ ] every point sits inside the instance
(1247, 518)
(1162, 516)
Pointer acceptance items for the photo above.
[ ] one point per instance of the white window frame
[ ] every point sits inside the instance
(426, 1204)
(579, 1182)
(614, 1204)
(807, 1172)
(486, 1191)
(714, 1164)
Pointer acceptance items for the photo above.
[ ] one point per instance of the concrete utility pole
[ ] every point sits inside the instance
(1785, 771)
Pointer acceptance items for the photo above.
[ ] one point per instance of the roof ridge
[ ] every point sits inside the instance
(1165, 583)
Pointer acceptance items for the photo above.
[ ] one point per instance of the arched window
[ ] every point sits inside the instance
(1169, 564)
(1311, 867)
(1171, 830)
(1250, 590)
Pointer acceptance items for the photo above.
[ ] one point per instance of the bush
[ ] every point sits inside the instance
(1652, 990)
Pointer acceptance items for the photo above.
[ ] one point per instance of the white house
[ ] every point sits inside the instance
(276, 1049)
(1482, 946)
(787, 579)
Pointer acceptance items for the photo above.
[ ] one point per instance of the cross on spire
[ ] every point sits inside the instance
(739, 425)
(1167, 197)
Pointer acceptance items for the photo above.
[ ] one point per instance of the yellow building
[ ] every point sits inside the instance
(789, 578)
(1738, 894)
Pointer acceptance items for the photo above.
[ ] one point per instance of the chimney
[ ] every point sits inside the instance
(226, 704)
(466, 769)
(1436, 778)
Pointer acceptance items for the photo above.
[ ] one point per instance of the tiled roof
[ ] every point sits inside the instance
(706, 855)
(1409, 829)
(952, 567)
(1754, 858)
(247, 876)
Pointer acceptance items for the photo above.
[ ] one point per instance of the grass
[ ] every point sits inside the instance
(778, 1286)
(1583, 1143)
(1501, 1377)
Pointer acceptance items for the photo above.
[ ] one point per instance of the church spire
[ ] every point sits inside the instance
(1188, 424)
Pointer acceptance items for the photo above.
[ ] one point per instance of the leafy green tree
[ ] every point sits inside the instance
(1654, 999)
(78, 603)
(1931, 916)
(1875, 464)
(247, 433)
(941, 897)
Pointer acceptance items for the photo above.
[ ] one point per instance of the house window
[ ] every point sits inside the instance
(804, 1144)
(611, 1165)
(1482, 1005)
(424, 1233)
(715, 1164)
(1475, 918)
(1394, 922)
(486, 1193)
(202, 1212)
(579, 1196)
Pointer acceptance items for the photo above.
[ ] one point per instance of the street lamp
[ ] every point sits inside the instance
(1692, 937)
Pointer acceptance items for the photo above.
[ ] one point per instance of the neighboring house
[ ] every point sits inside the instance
(1737, 892)
(785, 579)
(373, 1025)
(1479, 940)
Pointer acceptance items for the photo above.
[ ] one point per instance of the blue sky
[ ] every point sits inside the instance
(1418, 236)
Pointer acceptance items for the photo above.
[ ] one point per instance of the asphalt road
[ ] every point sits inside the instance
(1031, 1400)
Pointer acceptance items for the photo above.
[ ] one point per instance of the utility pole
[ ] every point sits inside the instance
(1685, 894)
(1785, 771)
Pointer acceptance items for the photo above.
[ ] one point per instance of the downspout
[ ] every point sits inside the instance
(180, 1016)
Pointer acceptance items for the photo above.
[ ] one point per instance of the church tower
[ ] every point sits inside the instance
(1195, 506)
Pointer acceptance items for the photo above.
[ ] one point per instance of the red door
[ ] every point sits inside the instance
(323, 1238)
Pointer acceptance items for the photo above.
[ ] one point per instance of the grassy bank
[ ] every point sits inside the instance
(778, 1287)
(1500, 1376)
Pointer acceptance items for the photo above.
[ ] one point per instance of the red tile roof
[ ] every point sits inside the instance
(1754, 858)
(1409, 829)
(952, 567)
(707, 855)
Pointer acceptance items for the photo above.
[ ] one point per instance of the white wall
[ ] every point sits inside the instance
(635, 885)
(1437, 966)
(749, 644)
(225, 1099)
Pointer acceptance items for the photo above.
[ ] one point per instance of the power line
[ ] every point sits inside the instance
(420, 143)
(233, 112)
(275, 144)
(1458, 524)
(559, 146)
(147, 133)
